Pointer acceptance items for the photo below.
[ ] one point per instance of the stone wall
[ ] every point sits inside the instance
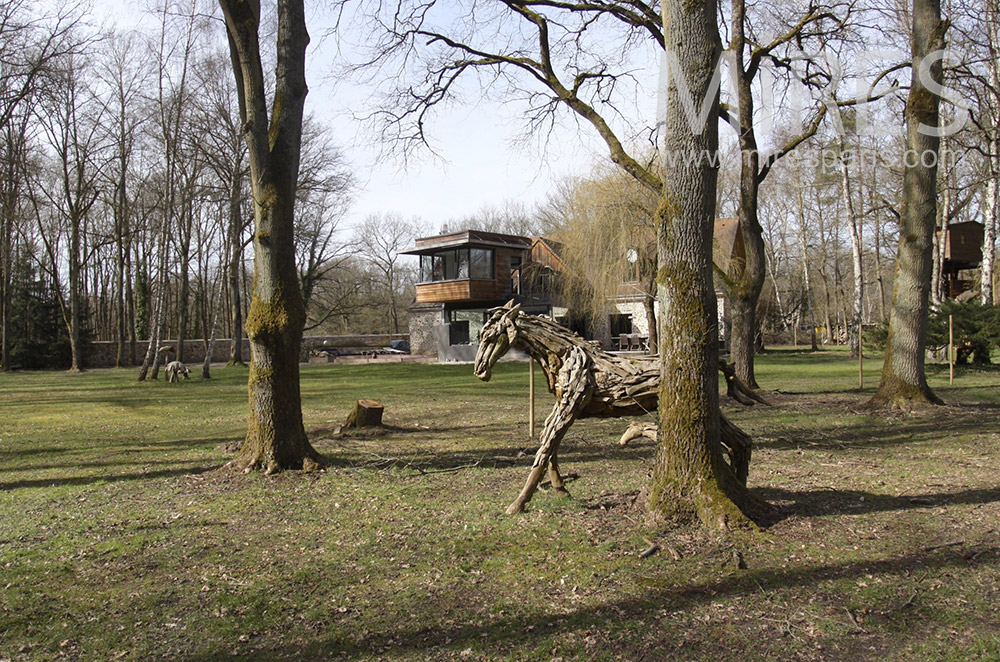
(423, 319)
(102, 354)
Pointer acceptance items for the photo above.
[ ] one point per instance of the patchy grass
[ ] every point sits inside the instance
(118, 540)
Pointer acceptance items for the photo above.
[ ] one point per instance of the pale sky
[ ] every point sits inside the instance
(477, 165)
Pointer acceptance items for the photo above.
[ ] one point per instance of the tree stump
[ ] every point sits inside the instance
(367, 413)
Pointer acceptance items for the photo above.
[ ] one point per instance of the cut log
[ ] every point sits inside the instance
(367, 413)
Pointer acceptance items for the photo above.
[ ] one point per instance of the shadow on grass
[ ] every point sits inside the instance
(508, 635)
(871, 432)
(116, 448)
(826, 502)
(388, 446)
(494, 457)
(103, 478)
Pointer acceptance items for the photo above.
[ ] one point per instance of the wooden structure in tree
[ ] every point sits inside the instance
(586, 381)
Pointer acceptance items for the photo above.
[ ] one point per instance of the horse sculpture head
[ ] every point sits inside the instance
(497, 336)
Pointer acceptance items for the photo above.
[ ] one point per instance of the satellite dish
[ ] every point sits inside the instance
(632, 256)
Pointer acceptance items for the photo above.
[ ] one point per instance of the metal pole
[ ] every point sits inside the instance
(951, 349)
(531, 399)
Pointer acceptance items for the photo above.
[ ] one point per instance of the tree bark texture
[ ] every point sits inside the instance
(986, 293)
(745, 280)
(854, 226)
(236, 264)
(904, 382)
(690, 476)
(366, 413)
(276, 437)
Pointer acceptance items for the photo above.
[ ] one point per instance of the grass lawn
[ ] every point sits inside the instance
(120, 540)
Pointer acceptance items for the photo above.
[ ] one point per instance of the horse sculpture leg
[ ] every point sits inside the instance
(554, 477)
(573, 390)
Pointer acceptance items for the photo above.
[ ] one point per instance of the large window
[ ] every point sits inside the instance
(620, 324)
(458, 264)
(482, 263)
(464, 326)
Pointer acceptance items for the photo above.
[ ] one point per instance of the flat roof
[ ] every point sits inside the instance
(471, 238)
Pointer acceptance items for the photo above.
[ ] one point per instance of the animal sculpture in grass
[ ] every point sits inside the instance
(586, 381)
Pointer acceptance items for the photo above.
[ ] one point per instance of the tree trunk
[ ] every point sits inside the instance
(904, 382)
(690, 476)
(987, 280)
(650, 310)
(151, 362)
(130, 301)
(119, 292)
(9, 189)
(276, 437)
(990, 230)
(366, 413)
(747, 278)
(75, 314)
(236, 266)
(182, 301)
(857, 310)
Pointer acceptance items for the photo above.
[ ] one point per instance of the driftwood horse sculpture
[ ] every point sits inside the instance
(586, 381)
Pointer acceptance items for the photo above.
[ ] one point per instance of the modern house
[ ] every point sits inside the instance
(464, 274)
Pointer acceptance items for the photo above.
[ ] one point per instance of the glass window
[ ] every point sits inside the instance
(456, 265)
(620, 324)
(458, 333)
(426, 268)
(481, 263)
(450, 266)
(465, 325)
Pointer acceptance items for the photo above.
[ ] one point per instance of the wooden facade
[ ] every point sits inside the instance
(964, 243)
(467, 289)
(963, 251)
(508, 253)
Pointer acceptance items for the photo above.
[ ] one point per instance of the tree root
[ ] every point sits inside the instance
(737, 390)
(736, 442)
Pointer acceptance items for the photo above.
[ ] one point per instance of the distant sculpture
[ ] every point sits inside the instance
(174, 369)
(586, 381)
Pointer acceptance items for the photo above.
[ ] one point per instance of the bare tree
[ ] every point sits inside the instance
(31, 43)
(71, 124)
(854, 226)
(124, 80)
(276, 437)
(324, 192)
(221, 145)
(177, 41)
(608, 238)
(379, 240)
(690, 476)
(904, 382)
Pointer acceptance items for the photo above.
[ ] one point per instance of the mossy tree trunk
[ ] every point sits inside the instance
(690, 476)
(236, 262)
(276, 438)
(904, 383)
(746, 278)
